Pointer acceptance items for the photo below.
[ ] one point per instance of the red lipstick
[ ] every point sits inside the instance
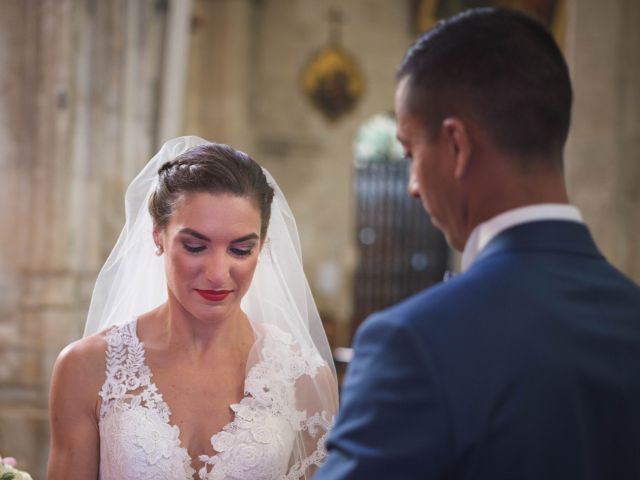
(214, 295)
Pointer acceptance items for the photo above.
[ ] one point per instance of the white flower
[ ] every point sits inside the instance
(261, 433)
(115, 341)
(260, 389)
(246, 457)
(296, 368)
(222, 441)
(8, 471)
(118, 373)
(244, 411)
(132, 382)
(119, 390)
(376, 141)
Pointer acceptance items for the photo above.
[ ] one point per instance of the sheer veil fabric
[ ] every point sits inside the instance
(132, 282)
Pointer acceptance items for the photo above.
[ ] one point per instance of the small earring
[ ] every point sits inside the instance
(159, 250)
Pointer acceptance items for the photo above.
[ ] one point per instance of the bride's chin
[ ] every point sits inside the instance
(208, 312)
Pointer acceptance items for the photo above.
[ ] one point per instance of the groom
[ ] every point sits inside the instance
(526, 365)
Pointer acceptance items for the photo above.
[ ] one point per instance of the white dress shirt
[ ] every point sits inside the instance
(486, 231)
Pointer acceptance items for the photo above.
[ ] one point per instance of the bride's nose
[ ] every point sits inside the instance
(216, 268)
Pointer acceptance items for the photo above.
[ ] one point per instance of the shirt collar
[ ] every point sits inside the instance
(486, 231)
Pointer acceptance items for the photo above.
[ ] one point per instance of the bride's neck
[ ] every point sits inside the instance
(181, 331)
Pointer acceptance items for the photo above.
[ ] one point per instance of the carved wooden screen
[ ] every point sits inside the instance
(400, 252)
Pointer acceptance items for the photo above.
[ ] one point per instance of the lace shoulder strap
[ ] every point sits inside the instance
(293, 366)
(126, 371)
(274, 380)
(292, 360)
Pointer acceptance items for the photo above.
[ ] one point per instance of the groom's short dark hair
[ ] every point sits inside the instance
(499, 67)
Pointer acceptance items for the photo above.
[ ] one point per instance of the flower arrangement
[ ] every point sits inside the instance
(376, 141)
(9, 472)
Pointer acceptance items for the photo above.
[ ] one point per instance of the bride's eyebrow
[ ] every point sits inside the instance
(196, 234)
(251, 236)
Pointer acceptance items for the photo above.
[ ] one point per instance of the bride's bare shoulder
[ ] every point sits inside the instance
(81, 362)
(86, 350)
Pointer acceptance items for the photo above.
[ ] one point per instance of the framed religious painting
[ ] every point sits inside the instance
(425, 13)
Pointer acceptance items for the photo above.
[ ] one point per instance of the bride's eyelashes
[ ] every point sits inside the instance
(193, 248)
(242, 251)
(237, 251)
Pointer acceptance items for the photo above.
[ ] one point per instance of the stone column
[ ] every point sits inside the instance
(95, 124)
(39, 35)
(603, 153)
(218, 73)
(80, 109)
(174, 70)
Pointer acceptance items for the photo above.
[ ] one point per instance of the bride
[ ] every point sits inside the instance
(204, 356)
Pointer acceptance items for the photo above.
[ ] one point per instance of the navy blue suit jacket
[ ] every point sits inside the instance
(527, 366)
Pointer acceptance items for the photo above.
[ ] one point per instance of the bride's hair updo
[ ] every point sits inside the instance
(212, 168)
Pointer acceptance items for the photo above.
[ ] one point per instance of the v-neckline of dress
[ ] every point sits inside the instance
(162, 405)
(256, 444)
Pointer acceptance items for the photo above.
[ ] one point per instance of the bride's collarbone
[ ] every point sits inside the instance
(195, 381)
(186, 373)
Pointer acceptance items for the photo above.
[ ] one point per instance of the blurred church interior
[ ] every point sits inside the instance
(90, 89)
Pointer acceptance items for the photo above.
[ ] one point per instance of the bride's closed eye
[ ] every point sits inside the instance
(193, 248)
(242, 251)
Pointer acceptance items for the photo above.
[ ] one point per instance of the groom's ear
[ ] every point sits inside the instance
(459, 143)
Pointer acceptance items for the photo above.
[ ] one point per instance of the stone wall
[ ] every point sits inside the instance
(78, 112)
(603, 153)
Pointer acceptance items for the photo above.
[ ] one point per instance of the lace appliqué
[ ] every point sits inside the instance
(267, 419)
(136, 440)
(139, 443)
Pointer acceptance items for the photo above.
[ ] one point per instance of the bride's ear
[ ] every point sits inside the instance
(157, 239)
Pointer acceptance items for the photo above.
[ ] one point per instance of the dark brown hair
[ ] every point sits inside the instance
(211, 168)
(502, 68)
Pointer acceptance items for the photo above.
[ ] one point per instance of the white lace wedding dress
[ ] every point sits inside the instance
(138, 441)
